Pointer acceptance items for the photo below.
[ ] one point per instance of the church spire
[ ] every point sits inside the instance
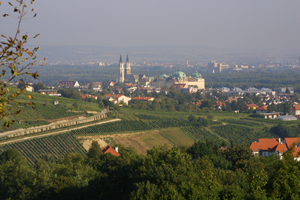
(127, 59)
(120, 59)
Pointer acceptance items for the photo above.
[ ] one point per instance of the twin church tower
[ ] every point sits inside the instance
(125, 73)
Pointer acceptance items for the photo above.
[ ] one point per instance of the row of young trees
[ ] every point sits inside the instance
(201, 171)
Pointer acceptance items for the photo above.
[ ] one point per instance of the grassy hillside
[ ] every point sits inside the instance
(145, 129)
(228, 127)
(45, 111)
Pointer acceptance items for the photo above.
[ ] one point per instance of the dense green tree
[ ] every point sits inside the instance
(17, 178)
(95, 150)
(39, 86)
(207, 104)
(70, 93)
(200, 149)
(284, 182)
(236, 153)
(156, 105)
(282, 130)
(192, 118)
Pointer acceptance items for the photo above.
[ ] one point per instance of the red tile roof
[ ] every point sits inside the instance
(281, 148)
(290, 141)
(198, 103)
(219, 103)
(264, 144)
(251, 105)
(230, 99)
(296, 152)
(262, 108)
(272, 144)
(296, 107)
(109, 149)
(255, 146)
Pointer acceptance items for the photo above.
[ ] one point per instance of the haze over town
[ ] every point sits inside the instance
(173, 30)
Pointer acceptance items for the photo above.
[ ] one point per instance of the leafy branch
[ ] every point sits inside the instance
(16, 60)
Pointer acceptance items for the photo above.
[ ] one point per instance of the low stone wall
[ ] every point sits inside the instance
(55, 125)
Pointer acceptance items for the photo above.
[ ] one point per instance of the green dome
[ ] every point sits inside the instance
(197, 75)
(164, 76)
(179, 74)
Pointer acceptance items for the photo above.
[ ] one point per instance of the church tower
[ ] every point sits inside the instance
(122, 75)
(128, 68)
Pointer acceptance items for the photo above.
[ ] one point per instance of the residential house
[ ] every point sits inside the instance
(50, 92)
(270, 146)
(224, 89)
(262, 109)
(251, 106)
(118, 90)
(87, 96)
(198, 103)
(29, 88)
(219, 105)
(231, 99)
(97, 86)
(108, 84)
(112, 151)
(69, 84)
(131, 89)
(296, 110)
(272, 115)
(117, 98)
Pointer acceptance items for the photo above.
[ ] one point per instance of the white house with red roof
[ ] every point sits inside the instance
(117, 98)
(269, 146)
(296, 110)
(219, 105)
(262, 109)
(112, 151)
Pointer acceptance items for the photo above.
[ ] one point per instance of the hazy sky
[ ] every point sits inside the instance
(216, 23)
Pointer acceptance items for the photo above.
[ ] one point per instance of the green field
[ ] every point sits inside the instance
(171, 128)
(177, 137)
(57, 146)
(45, 111)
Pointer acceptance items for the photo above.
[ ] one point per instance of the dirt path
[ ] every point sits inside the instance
(55, 132)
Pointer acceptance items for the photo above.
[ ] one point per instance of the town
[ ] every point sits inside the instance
(150, 100)
(130, 88)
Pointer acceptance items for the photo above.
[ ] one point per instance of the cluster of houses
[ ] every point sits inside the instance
(256, 91)
(268, 96)
(262, 110)
(122, 99)
(269, 146)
